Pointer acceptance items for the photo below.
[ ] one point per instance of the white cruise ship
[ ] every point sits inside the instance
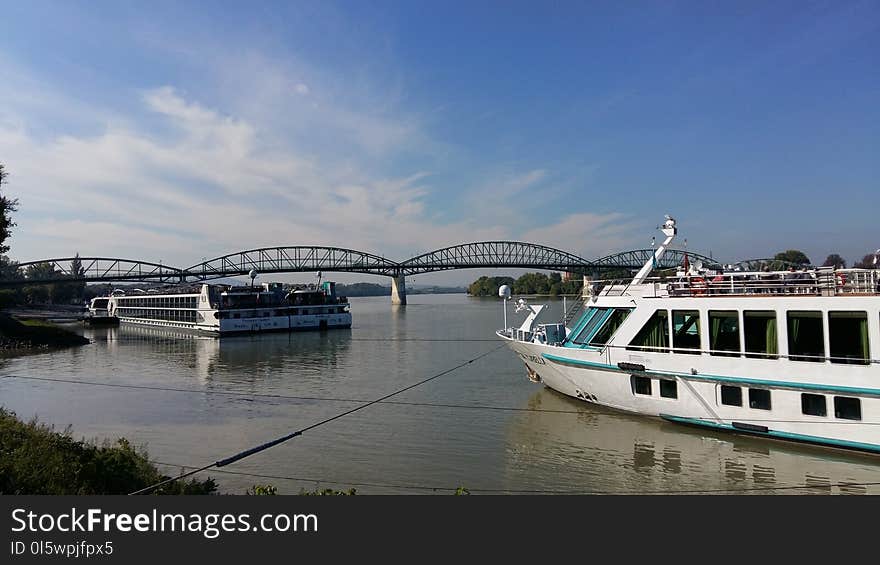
(791, 355)
(223, 309)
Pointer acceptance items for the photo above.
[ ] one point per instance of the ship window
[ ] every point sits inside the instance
(813, 405)
(847, 408)
(724, 333)
(848, 334)
(597, 316)
(686, 331)
(806, 340)
(654, 335)
(759, 330)
(668, 389)
(759, 398)
(614, 321)
(641, 385)
(731, 395)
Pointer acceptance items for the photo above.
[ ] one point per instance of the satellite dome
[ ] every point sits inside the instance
(504, 291)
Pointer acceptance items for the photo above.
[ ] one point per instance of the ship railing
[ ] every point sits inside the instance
(610, 287)
(517, 334)
(819, 282)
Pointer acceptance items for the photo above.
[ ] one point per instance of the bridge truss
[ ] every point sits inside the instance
(298, 259)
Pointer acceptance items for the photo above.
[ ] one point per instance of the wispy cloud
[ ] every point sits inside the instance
(588, 234)
(299, 163)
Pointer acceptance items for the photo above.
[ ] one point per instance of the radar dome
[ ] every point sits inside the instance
(504, 291)
(253, 273)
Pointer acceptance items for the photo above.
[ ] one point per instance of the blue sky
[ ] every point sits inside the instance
(178, 131)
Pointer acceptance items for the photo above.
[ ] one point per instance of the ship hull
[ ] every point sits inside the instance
(697, 398)
(244, 326)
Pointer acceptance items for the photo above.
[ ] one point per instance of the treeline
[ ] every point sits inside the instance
(529, 283)
(67, 290)
(868, 261)
(373, 289)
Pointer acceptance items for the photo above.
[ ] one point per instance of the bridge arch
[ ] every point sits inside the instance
(637, 258)
(293, 259)
(100, 269)
(500, 254)
(768, 262)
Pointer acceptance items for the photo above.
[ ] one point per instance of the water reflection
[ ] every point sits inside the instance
(587, 452)
(233, 359)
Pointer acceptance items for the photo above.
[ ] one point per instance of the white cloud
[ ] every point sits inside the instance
(194, 182)
(206, 187)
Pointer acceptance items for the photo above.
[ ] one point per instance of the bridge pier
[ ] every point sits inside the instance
(398, 290)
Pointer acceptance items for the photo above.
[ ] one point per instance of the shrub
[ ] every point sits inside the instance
(35, 459)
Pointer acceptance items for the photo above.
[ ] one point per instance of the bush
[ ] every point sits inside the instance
(35, 459)
(328, 492)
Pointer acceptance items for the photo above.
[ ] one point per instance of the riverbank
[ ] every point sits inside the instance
(38, 460)
(22, 332)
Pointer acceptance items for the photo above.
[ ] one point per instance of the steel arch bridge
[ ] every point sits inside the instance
(298, 259)
(98, 269)
(637, 258)
(494, 254)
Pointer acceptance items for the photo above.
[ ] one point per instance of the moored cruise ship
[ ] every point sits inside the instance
(789, 355)
(224, 309)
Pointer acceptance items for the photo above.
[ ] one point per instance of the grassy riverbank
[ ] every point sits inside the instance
(35, 334)
(36, 459)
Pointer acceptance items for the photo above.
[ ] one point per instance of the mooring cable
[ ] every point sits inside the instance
(254, 450)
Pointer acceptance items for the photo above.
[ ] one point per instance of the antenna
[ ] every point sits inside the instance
(504, 293)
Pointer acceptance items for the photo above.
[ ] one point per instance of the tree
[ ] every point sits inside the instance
(9, 271)
(793, 256)
(75, 289)
(835, 260)
(77, 270)
(42, 292)
(869, 261)
(7, 207)
(488, 286)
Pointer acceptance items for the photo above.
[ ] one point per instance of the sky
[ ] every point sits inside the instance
(181, 131)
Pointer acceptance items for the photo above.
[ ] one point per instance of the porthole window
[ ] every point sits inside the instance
(668, 389)
(731, 395)
(759, 398)
(641, 385)
(847, 408)
(813, 405)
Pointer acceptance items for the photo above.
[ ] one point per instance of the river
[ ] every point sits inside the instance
(193, 400)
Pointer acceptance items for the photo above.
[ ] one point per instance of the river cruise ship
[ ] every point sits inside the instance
(219, 309)
(98, 312)
(790, 355)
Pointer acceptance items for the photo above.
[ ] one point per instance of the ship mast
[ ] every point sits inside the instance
(669, 230)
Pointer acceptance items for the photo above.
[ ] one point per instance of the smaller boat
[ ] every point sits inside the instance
(99, 312)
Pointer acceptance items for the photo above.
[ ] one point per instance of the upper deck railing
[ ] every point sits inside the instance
(814, 282)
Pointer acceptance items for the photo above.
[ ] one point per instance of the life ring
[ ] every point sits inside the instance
(698, 285)
(841, 279)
